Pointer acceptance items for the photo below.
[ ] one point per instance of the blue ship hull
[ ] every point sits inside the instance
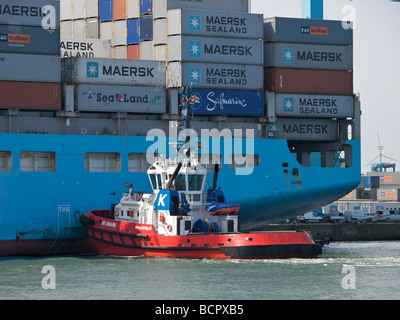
(36, 207)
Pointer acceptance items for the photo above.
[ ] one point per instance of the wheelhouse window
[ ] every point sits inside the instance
(38, 161)
(102, 162)
(180, 182)
(195, 182)
(5, 161)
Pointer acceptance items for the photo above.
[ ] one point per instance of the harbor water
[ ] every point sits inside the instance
(345, 270)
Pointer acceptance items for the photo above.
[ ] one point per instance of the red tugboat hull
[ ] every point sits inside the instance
(119, 238)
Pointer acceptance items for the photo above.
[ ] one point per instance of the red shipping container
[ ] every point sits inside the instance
(306, 81)
(119, 9)
(133, 52)
(30, 95)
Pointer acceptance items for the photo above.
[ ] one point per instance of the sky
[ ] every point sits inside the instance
(376, 56)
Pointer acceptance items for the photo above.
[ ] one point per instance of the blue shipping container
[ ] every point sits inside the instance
(146, 7)
(133, 33)
(227, 102)
(146, 28)
(106, 10)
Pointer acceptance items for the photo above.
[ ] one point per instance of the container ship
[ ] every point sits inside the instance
(90, 94)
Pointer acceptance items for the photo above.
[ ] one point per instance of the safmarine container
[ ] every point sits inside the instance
(133, 31)
(304, 129)
(308, 56)
(30, 95)
(242, 103)
(30, 13)
(30, 67)
(307, 31)
(105, 10)
(119, 9)
(215, 24)
(160, 7)
(212, 49)
(330, 82)
(26, 39)
(218, 76)
(146, 28)
(113, 71)
(311, 106)
(106, 98)
(93, 48)
(146, 7)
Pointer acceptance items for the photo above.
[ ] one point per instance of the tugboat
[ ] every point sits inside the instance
(179, 219)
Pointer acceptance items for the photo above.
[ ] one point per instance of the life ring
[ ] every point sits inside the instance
(131, 213)
(116, 213)
(169, 228)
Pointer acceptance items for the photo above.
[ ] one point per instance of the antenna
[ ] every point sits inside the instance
(381, 166)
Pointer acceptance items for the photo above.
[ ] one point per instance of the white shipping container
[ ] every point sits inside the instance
(215, 24)
(92, 8)
(78, 9)
(79, 28)
(66, 11)
(387, 194)
(107, 31)
(84, 47)
(133, 9)
(114, 71)
(92, 28)
(212, 49)
(215, 76)
(119, 52)
(119, 33)
(160, 52)
(160, 7)
(66, 29)
(160, 31)
(146, 50)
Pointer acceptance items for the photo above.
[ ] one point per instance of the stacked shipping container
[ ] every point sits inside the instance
(308, 74)
(29, 55)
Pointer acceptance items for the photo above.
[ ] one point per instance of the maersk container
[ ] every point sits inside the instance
(31, 13)
(218, 76)
(244, 103)
(215, 24)
(310, 106)
(160, 7)
(308, 56)
(307, 81)
(93, 48)
(30, 95)
(213, 49)
(30, 67)
(304, 129)
(133, 31)
(146, 7)
(106, 98)
(26, 39)
(146, 28)
(308, 31)
(105, 10)
(113, 71)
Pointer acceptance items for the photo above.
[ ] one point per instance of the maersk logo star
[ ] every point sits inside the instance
(194, 23)
(195, 75)
(194, 48)
(92, 70)
(288, 104)
(288, 55)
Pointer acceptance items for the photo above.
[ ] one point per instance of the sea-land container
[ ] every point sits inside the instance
(30, 95)
(146, 7)
(304, 129)
(119, 9)
(160, 7)
(105, 10)
(39, 13)
(310, 106)
(112, 71)
(307, 81)
(308, 56)
(213, 49)
(30, 67)
(218, 76)
(309, 31)
(146, 28)
(106, 98)
(92, 48)
(215, 24)
(26, 39)
(133, 31)
(213, 102)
